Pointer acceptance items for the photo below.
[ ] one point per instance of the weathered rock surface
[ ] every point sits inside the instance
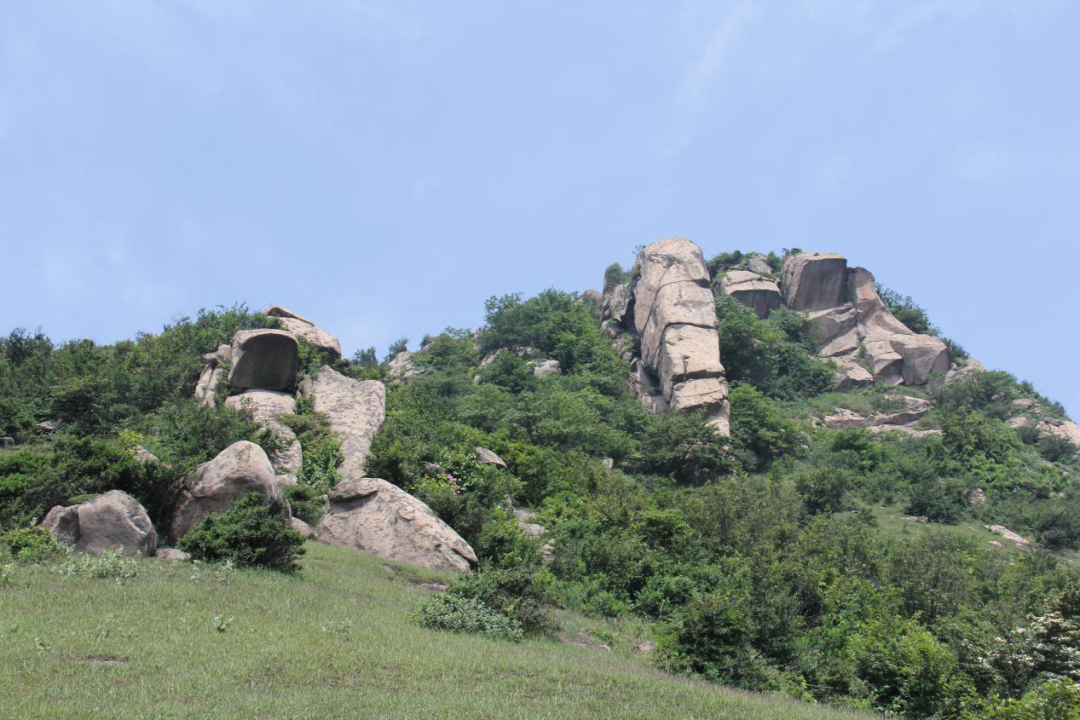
(814, 281)
(544, 368)
(848, 322)
(617, 305)
(675, 317)
(48, 426)
(356, 408)
(760, 294)
(758, 264)
(264, 360)
(487, 457)
(302, 527)
(373, 516)
(172, 554)
(266, 406)
(212, 375)
(306, 329)
(525, 520)
(1008, 534)
(402, 367)
(107, 522)
(1063, 429)
(237, 470)
(7, 442)
(849, 374)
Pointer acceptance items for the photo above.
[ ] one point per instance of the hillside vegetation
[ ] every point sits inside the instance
(776, 560)
(334, 641)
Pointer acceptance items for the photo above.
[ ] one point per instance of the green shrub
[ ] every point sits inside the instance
(942, 501)
(251, 533)
(1057, 700)
(458, 613)
(322, 449)
(515, 592)
(305, 503)
(32, 544)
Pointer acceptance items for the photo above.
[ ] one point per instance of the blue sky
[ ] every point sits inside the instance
(383, 167)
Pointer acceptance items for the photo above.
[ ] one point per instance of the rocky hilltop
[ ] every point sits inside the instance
(664, 320)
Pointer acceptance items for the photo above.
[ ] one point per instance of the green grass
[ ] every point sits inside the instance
(335, 641)
(891, 522)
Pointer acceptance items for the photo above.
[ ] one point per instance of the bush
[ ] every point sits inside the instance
(252, 532)
(942, 501)
(1057, 700)
(458, 613)
(304, 502)
(515, 592)
(31, 545)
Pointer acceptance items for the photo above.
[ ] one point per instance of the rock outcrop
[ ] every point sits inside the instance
(1061, 429)
(264, 360)
(307, 330)
(266, 406)
(402, 368)
(544, 368)
(213, 374)
(814, 281)
(373, 516)
(212, 487)
(356, 408)
(759, 293)
(107, 522)
(674, 315)
(849, 323)
(488, 457)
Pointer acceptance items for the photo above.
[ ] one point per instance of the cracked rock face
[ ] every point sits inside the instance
(760, 294)
(376, 517)
(675, 317)
(265, 407)
(850, 323)
(356, 409)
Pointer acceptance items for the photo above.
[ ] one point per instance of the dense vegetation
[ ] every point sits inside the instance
(768, 562)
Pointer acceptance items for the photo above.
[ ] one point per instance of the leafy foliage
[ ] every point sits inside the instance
(458, 613)
(251, 533)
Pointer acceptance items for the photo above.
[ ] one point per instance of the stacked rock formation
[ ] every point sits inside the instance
(670, 308)
(850, 323)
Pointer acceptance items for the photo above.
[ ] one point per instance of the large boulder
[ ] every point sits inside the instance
(675, 317)
(306, 330)
(239, 469)
(266, 406)
(760, 294)
(814, 281)
(107, 522)
(356, 408)
(375, 517)
(264, 360)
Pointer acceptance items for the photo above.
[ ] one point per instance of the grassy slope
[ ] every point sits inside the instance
(335, 641)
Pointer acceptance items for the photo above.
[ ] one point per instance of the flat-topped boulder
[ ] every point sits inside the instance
(814, 281)
(110, 521)
(266, 406)
(306, 330)
(758, 293)
(239, 469)
(356, 408)
(264, 360)
(376, 517)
